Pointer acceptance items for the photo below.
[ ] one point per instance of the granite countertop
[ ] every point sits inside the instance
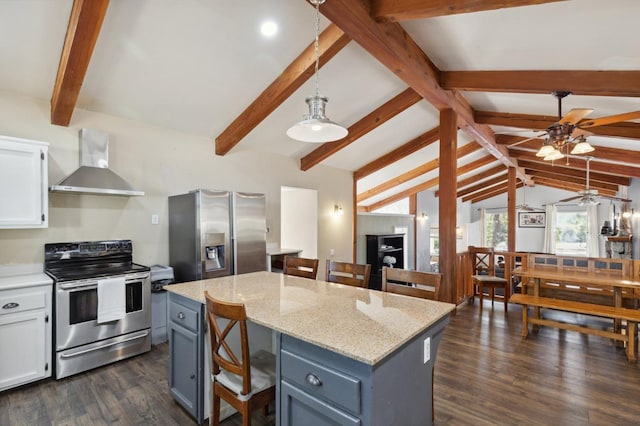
(366, 325)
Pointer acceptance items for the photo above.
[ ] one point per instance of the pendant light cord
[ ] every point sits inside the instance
(316, 47)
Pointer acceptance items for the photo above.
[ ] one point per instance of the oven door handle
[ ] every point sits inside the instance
(137, 336)
(78, 286)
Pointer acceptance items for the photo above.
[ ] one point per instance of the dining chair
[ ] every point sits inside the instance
(301, 267)
(353, 274)
(483, 275)
(246, 382)
(425, 285)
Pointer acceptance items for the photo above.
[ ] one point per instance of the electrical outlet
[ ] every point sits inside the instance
(155, 219)
(332, 252)
(427, 349)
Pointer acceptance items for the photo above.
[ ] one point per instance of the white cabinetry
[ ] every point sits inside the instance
(23, 183)
(25, 328)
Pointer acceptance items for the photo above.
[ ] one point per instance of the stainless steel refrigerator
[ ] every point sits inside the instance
(216, 233)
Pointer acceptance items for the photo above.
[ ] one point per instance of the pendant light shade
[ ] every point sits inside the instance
(316, 127)
(582, 147)
(545, 150)
(554, 155)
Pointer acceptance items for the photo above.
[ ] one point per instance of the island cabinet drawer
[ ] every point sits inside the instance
(13, 301)
(322, 381)
(183, 315)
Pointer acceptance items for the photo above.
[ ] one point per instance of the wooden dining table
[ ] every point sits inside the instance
(608, 284)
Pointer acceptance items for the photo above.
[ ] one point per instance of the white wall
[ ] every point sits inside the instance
(161, 162)
(299, 220)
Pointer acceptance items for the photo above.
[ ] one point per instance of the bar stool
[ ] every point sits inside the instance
(245, 382)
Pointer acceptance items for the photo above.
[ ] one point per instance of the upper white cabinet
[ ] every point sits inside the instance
(23, 183)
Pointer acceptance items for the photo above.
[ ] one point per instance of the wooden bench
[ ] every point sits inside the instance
(632, 316)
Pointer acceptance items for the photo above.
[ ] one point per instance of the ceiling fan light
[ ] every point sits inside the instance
(545, 150)
(554, 155)
(582, 147)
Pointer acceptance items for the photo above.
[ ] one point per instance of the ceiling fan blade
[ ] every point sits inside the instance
(608, 197)
(577, 132)
(570, 199)
(609, 119)
(575, 115)
(527, 139)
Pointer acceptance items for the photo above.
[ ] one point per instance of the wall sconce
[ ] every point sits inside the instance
(458, 232)
(423, 216)
(337, 210)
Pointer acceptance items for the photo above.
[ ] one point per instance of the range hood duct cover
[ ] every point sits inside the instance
(94, 175)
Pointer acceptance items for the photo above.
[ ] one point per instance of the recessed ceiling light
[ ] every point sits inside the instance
(269, 29)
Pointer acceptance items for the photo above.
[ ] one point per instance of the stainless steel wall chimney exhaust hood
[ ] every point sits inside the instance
(94, 176)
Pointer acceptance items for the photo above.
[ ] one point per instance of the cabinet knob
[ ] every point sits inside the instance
(180, 315)
(313, 380)
(11, 305)
(193, 376)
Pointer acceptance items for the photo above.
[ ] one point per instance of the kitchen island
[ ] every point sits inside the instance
(372, 352)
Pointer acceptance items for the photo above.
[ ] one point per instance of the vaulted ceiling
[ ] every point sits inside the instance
(387, 66)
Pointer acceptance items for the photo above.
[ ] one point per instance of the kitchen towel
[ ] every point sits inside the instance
(111, 299)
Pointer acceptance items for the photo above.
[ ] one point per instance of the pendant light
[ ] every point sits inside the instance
(316, 127)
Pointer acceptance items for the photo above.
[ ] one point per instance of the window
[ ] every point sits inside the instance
(495, 230)
(571, 233)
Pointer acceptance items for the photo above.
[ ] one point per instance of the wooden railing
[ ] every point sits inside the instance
(464, 270)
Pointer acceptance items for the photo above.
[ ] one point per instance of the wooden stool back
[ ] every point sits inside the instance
(353, 274)
(301, 267)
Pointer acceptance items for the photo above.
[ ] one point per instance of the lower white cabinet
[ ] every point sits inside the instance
(25, 331)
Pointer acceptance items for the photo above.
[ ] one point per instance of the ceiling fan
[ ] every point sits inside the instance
(524, 207)
(590, 197)
(570, 130)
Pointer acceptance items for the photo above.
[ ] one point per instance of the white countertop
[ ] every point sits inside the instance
(23, 275)
(366, 325)
(276, 251)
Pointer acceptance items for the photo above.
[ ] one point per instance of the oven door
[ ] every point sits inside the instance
(77, 311)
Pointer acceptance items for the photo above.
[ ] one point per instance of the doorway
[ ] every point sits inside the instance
(299, 220)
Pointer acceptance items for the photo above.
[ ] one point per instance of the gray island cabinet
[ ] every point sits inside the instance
(345, 355)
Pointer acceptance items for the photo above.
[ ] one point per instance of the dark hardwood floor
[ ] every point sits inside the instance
(485, 374)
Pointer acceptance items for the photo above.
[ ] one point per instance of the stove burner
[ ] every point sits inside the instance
(90, 259)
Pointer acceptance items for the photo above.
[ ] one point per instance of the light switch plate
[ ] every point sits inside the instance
(155, 219)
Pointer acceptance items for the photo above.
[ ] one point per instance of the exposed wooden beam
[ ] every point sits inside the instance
(557, 168)
(403, 10)
(587, 83)
(500, 190)
(415, 173)
(479, 176)
(569, 186)
(372, 120)
(330, 42)
(488, 190)
(511, 210)
(536, 174)
(447, 206)
(579, 163)
(482, 185)
(408, 148)
(393, 47)
(601, 152)
(629, 130)
(83, 30)
(483, 161)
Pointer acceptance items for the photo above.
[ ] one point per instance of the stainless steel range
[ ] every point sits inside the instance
(102, 304)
